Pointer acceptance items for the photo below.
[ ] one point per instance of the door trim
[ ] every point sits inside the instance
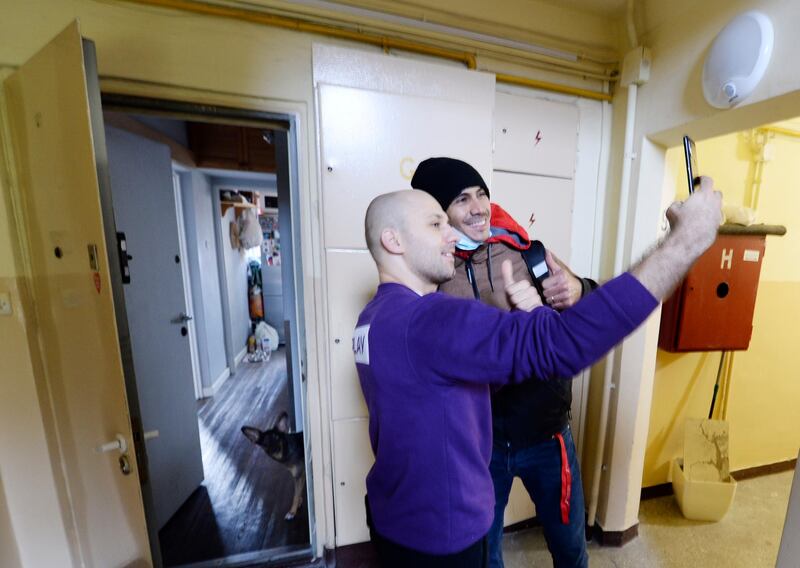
(188, 295)
(286, 125)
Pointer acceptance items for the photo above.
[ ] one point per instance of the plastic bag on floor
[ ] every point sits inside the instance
(266, 342)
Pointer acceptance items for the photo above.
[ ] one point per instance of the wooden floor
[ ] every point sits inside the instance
(240, 506)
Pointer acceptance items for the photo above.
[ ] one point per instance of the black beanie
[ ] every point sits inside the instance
(446, 178)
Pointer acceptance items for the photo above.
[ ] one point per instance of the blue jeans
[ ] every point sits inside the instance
(539, 468)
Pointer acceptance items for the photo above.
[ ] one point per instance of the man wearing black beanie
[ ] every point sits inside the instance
(530, 422)
(444, 178)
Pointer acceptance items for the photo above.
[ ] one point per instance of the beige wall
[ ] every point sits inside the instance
(161, 53)
(268, 70)
(158, 52)
(9, 555)
(27, 478)
(557, 25)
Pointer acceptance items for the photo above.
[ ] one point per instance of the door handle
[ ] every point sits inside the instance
(118, 444)
(182, 318)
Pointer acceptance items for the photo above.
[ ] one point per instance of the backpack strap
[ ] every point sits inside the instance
(534, 257)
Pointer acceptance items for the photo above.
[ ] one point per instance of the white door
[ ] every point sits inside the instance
(54, 111)
(379, 117)
(537, 172)
(145, 212)
(187, 287)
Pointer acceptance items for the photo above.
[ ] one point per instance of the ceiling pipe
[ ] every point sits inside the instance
(467, 58)
(536, 84)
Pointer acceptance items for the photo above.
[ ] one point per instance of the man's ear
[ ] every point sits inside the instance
(391, 241)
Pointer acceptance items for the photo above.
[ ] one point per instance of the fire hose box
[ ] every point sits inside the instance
(712, 309)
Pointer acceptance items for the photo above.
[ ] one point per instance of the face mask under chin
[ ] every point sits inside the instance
(464, 242)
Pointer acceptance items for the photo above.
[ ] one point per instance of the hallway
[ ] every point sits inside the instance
(240, 506)
(748, 537)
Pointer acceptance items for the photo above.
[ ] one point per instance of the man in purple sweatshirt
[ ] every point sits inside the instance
(426, 362)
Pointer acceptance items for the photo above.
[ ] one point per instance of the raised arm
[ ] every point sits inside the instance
(462, 340)
(693, 228)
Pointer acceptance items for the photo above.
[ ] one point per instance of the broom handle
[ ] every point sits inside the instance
(716, 384)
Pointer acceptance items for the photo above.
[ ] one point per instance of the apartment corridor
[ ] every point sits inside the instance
(239, 509)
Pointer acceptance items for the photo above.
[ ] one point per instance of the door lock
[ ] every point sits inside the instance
(124, 257)
(124, 465)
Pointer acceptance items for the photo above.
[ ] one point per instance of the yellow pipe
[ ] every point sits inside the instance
(781, 130)
(300, 26)
(536, 84)
(467, 58)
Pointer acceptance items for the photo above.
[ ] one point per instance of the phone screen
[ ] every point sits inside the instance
(692, 171)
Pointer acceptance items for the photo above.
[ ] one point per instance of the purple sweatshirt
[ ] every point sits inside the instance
(425, 364)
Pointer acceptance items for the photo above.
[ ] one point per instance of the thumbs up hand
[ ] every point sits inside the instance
(562, 289)
(521, 294)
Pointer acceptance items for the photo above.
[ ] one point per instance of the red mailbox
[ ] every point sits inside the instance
(712, 309)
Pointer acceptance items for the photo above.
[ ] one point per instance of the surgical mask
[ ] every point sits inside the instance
(464, 242)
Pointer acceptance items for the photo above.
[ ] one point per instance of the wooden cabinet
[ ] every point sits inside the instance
(232, 147)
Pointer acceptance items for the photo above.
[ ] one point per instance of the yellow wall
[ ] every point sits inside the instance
(671, 104)
(764, 390)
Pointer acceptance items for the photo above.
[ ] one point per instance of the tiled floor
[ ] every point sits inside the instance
(748, 536)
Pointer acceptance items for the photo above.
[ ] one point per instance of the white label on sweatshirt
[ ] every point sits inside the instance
(361, 344)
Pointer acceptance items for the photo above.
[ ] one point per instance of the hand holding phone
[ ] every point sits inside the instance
(692, 171)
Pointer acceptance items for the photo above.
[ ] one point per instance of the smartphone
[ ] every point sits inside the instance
(692, 171)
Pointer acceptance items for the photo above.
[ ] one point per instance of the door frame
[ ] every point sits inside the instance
(286, 127)
(188, 295)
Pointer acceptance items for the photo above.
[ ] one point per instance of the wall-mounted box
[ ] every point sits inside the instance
(712, 309)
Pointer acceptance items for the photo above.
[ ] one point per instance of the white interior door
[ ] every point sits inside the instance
(547, 162)
(53, 106)
(187, 287)
(379, 117)
(145, 211)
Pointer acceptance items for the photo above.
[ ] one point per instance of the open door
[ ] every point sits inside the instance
(80, 319)
(144, 212)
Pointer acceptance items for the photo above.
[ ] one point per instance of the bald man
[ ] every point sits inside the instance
(426, 361)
